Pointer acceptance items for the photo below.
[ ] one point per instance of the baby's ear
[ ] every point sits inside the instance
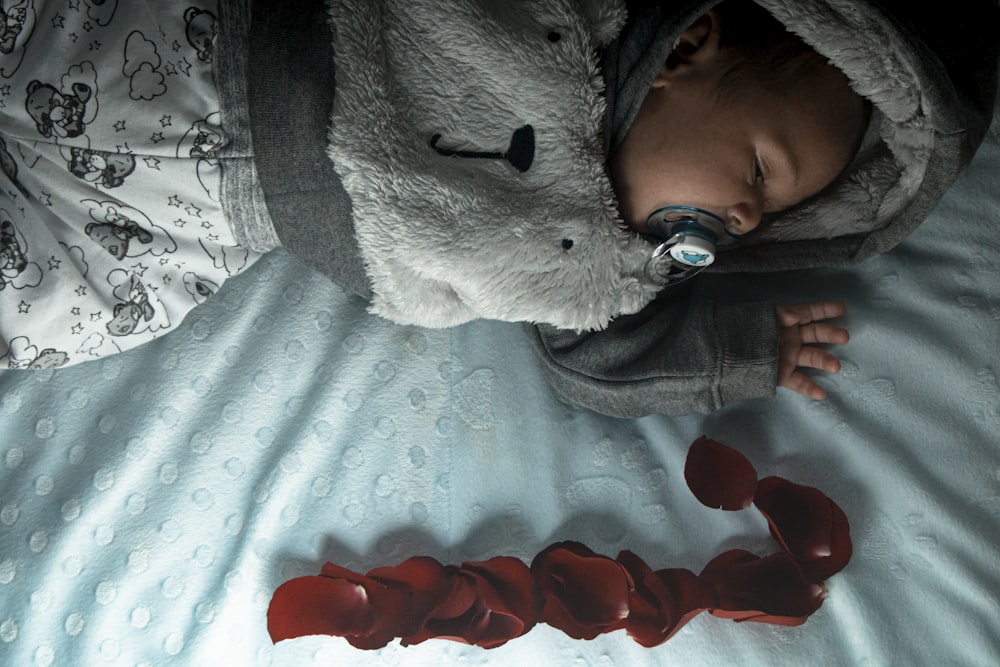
(696, 46)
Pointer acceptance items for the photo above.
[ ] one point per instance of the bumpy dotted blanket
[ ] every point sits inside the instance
(152, 502)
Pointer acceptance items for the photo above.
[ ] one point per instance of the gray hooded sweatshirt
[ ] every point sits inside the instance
(636, 349)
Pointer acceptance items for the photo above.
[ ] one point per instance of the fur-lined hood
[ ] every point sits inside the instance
(479, 191)
(931, 75)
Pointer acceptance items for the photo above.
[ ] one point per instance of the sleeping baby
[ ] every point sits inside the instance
(569, 164)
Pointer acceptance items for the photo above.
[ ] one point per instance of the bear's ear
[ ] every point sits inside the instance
(190, 13)
(82, 91)
(34, 85)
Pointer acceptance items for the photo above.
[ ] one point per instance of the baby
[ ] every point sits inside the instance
(744, 120)
(508, 175)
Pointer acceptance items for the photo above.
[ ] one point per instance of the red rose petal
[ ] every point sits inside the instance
(799, 517)
(662, 602)
(335, 571)
(317, 606)
(511, 588)
(840, 549)
(448, 618)
(506, 605)
(391, 600)
(488, 604)
(461, 597)
(807, 525)
(424, 580)
(719, 476)
(770, 589)
(419, 574)
(584, 594)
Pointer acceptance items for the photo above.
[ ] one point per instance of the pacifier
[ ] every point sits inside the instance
(691, 237)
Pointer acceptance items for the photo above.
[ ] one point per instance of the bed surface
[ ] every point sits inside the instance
(150, 503)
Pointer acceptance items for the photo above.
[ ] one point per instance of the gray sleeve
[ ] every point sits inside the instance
(674, 357)
(290, 94)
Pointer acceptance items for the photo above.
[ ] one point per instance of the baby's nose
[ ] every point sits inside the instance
(742, 218)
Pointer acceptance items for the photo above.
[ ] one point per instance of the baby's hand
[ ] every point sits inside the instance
(800, 327)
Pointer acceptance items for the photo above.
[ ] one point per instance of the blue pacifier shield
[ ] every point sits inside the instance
(690, 238)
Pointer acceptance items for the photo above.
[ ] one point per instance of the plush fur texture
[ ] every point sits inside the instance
(448, 239)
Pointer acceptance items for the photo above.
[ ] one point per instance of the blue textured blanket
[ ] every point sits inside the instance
(151, 502)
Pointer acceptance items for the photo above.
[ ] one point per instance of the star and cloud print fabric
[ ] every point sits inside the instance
(111, 226)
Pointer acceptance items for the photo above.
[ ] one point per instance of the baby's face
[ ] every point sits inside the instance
(740, 155)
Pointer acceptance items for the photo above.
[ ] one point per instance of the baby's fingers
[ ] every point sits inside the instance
(821, 332)
(814, 357)
(800, 383)
(804, 313)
